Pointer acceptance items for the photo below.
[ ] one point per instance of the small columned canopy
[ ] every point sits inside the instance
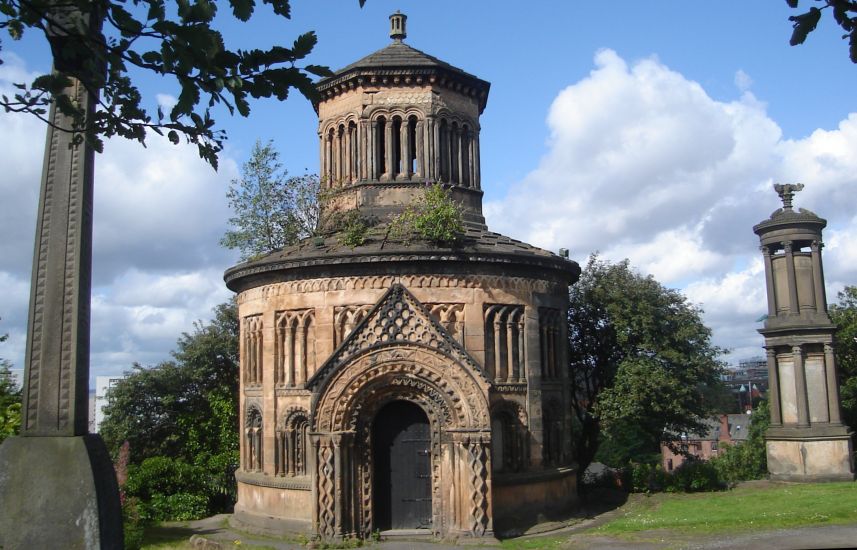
(400, 115)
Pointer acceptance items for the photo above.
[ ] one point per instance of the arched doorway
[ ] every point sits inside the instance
(401, 452)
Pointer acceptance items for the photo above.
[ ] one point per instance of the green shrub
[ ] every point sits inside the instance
(434, 217)
(645, 478)
(354, 228)
(175, 507)
(133, 525)
(693, 476)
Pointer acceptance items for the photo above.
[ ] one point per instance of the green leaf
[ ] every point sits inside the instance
(304, 45)
(803, 25)
(242, 9)
(173, 136)
(318, 70)
(792, 3)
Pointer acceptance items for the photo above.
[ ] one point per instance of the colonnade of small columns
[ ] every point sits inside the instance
(400, 148)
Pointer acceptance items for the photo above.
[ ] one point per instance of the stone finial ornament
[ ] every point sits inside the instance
(397, 26)
(787, 192)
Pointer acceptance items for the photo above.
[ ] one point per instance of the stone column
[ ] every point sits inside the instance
(773, 387)
(405, 147)
(388, 151)
(346, 155)
(769, 281)
(373, 161)
(57, 487)
(420, 149)
(833, 404)
(818, 278)
(477, 179)
(794, 306)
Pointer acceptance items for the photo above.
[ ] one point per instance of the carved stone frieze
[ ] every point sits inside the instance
(383, 282)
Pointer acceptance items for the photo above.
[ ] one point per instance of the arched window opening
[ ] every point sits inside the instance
(253, 441)
(396, 164)
(413, 167)
(340, 155)
(465, 156)
(455, 153)
(298, 435)
(444, 150)
(353, 152)
(380, 146)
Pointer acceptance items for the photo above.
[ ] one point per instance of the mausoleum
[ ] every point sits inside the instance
(396, 384)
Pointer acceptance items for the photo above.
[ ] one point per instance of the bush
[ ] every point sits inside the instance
(133, 525)
(434, 217)
(169, 489)
(175, 507)
(645, 478)
(693, 476)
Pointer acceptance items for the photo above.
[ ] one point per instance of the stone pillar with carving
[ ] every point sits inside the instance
(58, 488)
(806, 440)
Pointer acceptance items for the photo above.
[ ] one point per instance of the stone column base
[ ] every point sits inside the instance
(58, 492)
(809, 454)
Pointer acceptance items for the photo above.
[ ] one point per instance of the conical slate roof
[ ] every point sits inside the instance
(400, 55)
(399, 63)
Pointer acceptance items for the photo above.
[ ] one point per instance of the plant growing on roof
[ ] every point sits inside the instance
(434, 217)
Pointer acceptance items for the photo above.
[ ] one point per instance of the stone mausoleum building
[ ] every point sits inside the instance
(399, 385)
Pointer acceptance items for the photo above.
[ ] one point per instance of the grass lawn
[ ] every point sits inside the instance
(752, 506)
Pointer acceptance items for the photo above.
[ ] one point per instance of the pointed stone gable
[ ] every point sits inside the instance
(397, 319)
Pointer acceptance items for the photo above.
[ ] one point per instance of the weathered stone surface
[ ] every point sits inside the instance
(806, 440)
(811, 460)
(58, 492)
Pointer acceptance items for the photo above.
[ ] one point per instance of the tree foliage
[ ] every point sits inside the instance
(108, 44)
(844, 13)
(844, 316)
(641, 362)
(271, 209)
(10, 399)
(183, 412)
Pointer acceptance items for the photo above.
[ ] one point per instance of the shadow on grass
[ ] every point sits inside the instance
(596, 502)
(166, 536)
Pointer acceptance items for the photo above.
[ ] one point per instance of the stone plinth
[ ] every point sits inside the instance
(58, 492)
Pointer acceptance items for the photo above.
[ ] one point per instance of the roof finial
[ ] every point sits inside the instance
(397, 26)
(787, 192)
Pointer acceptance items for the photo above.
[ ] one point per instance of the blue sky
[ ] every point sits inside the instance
(649, 130)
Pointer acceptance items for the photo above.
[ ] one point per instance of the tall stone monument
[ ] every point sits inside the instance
(395, 384)
(57, 485)
(807, 440)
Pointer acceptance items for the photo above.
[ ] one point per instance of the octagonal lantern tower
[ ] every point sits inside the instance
(806, 440)
(395, 384)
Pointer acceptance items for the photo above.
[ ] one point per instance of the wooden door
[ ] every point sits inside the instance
(402, 458)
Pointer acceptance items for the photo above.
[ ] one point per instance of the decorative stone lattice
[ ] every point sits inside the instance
(478, 468)
(325, 490)
(397, 318)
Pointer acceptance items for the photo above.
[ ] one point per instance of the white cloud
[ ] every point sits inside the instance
(642, 163)
(742, 80)
(157, 266)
